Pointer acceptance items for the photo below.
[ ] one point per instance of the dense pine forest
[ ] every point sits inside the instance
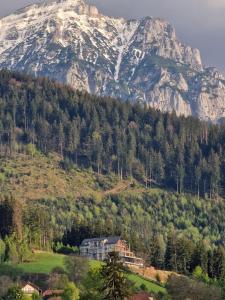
(172, 212)
(182, 154)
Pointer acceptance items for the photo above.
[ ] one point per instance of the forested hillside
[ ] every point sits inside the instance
(107, 135)
(75, 166)
(45, 204)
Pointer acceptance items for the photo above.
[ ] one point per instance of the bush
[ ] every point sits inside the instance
(198, 272)
(71, 292)
(31, 149)
(65, 249)
(143, 287)
(14, 293)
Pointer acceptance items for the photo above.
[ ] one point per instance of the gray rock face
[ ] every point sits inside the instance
(139, 60)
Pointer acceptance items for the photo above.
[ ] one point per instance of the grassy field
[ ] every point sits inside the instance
(46, 262)
(43, 263)
(150, 286)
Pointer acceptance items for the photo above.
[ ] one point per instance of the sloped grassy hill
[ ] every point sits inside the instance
(37, 177)
(85, 199)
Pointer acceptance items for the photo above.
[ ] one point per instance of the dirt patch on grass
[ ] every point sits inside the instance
(153, 274)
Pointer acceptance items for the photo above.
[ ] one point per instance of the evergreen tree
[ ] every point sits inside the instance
(115, 284)
(200, 257)
(184, 254)
(219, 263)
(171, 255)
(157, 251)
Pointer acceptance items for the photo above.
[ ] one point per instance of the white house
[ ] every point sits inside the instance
(99, 248)
(30, 289)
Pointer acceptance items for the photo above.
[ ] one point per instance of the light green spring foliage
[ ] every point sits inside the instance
(200, 275)
(35, 296)
(17, 250)
(71, 292)
(92, 284)
(198, 272)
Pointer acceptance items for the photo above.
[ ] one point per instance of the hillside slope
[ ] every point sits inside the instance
(44, 263)
(140, 60)
(86, 166)
(111, 136)
(34, 178)
(86, 199)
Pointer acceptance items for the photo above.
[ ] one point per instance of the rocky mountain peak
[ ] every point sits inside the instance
(140, 60)
(80, 6)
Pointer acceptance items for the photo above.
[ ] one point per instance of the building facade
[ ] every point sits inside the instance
(99, 248)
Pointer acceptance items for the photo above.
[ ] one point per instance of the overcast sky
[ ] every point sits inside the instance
(199, 23)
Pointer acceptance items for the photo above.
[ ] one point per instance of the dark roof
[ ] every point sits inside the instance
(110, 240)
(53, 293)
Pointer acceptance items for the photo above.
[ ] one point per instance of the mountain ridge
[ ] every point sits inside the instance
(136, 60)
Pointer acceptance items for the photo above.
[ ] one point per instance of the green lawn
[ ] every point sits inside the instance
(46, 262)
(43, 263)
(151, 286)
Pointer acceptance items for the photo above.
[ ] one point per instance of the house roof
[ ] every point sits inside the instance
(141, 296)
(52, 293)
(32, 285)
(109, 240)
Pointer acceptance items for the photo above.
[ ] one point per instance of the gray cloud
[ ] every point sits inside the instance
(199, 23)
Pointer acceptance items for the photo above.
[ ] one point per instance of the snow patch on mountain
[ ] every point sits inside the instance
(125, 37)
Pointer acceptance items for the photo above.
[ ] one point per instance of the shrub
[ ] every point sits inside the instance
(71, 292)
(143, 287)
(31, 149)
(65, 249)
(14, 293)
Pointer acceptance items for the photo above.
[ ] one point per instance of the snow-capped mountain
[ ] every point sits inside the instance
(139, 60)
